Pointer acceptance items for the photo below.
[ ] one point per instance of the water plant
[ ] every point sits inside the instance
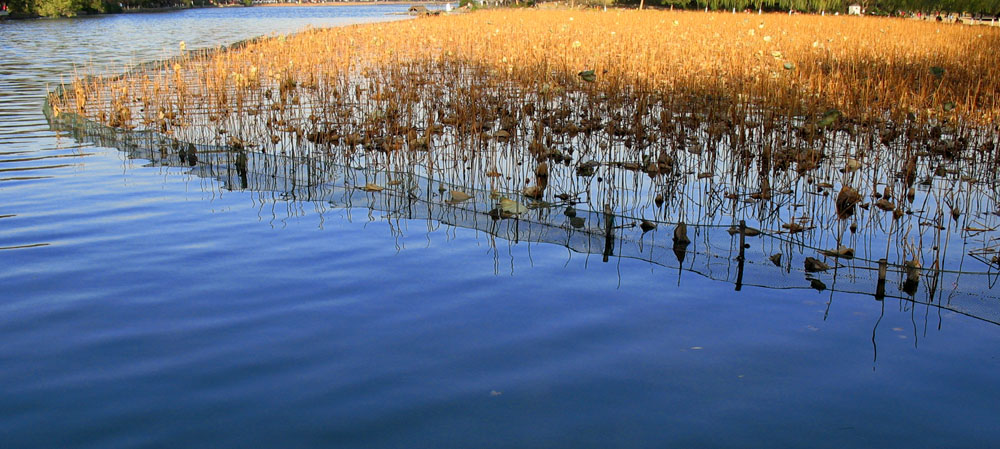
(840, 136)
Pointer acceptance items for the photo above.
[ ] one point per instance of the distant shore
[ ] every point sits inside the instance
(355, 3)
(8, 16)
(123, 11)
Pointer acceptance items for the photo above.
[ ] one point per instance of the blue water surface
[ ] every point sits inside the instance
(145, 306)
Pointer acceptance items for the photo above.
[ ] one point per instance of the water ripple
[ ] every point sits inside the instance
(148, 306)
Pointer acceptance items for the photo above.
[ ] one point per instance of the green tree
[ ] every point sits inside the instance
(57, 8)
(22, 7)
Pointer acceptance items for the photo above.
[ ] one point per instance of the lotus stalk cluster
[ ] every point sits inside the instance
(792, 122)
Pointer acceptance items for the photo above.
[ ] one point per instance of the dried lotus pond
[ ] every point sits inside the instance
(838, 142)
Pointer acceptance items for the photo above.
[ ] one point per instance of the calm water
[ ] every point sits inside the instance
(146, 306)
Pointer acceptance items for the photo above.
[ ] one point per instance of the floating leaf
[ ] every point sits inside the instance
(681, 234)
(647, 226)
(846, 199)
(852, 165)
(458, 196)
(813, 265)
(841, 251)
(371, 187)
(577, 222)
(885, 205)
(512, 207)
(498, 214)
(948, 106)
(747, 231)
(788, 66)
(539, 204)
(534, 192)
(793, 227)
(588, 76)
(937, 71)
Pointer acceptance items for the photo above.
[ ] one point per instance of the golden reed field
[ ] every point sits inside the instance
(727, 65)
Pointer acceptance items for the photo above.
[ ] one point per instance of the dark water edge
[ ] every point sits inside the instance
(149, 306)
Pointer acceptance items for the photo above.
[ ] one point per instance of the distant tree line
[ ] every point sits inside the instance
(989, 7)
(69, 8)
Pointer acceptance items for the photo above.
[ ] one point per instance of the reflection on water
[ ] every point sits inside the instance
(152, 303)
(753, 257)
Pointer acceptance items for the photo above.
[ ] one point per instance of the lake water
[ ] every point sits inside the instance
(148, 306)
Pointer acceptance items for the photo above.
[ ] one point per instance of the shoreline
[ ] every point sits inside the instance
(124, 11)
(9, 16)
